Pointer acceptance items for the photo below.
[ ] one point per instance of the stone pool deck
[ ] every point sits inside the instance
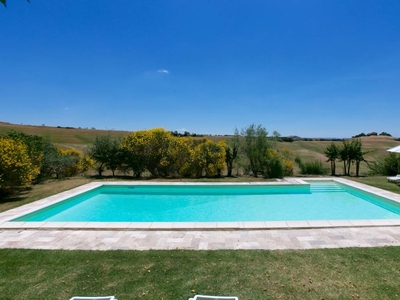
(197, 236)
(201, 240)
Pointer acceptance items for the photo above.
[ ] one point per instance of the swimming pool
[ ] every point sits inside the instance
(208, 203)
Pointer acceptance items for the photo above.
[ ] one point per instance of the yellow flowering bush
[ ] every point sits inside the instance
(75, 162)
(16, 167)
(288, 161)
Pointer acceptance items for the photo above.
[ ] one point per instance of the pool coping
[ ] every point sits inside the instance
(6, 216)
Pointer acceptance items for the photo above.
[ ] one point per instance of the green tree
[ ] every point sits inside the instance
(392, 164)
(350, 153)
(255, 146)
(231, 152)
(344, 155)
(63, 163)
(115, 157)
(357, 154)
(106, 153)
(332, 152)
(389, 165)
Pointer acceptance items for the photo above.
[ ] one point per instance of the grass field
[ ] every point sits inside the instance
(75, 138)
(352, 273)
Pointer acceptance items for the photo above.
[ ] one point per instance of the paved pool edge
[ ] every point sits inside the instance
(5, 217)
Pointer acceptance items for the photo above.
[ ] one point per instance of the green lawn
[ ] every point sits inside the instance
(40, 191)
(379, 182)
(352, 273)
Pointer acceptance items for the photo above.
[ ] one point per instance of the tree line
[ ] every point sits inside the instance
(163, 154)
(159, 153)
(349, 153)
(31, 158)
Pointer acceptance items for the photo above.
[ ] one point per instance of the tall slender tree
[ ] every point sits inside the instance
(332, 152)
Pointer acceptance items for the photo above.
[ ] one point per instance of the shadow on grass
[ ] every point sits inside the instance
(16, 195)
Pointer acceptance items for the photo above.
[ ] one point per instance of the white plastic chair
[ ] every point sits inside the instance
(394, 178)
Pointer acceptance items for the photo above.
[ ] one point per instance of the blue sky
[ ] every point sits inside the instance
(325, 68)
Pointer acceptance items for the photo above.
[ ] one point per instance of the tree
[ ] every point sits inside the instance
(332, 152)
(351, 152)
(106, 152)
(156, 151)
(385, 134)
(357, 154)
(344, 155)
(36, 147)
(133, 147)
(255, 146)
(63, 163)
(16, 167)
(231, 152)
(208, 158)
(180, 156)
(148, 149)
(115, 157)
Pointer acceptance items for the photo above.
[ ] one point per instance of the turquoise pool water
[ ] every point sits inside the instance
(208, 203)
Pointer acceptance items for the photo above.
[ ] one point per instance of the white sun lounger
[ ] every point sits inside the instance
(204, 297)
(394, 178)
(94, 298)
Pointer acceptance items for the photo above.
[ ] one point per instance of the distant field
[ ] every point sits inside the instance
(75, 138)
(376, 146)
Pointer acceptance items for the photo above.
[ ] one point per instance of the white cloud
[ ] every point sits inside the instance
(163, 71)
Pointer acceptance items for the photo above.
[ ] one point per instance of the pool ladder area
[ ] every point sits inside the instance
(323, 188)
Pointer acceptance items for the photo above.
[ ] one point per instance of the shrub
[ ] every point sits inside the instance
(315, 167)
(388, 166)
(272, 165)
(16, 167)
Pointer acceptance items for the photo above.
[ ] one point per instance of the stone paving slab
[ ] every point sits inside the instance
(200, 239)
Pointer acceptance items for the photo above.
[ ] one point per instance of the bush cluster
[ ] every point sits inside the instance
(25, 158)
(388, 166)
(163, 154)
(315, 167)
